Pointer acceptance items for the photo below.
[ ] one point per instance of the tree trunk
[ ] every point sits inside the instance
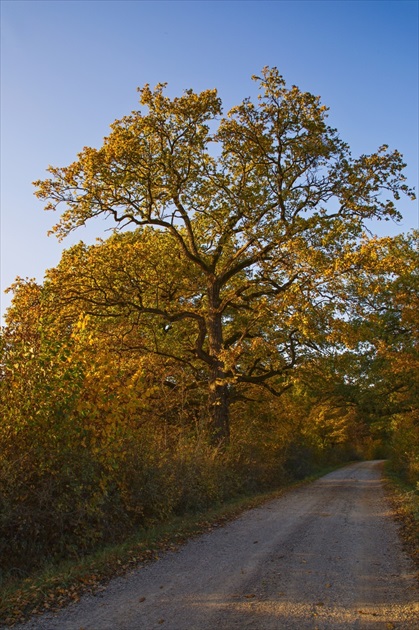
(218, 400)
(218, 394)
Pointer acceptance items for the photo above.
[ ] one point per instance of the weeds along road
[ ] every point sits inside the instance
(323, 556)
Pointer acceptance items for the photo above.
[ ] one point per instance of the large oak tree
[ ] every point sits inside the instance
(249, 216)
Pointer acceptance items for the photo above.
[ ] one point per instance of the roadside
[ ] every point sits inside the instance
(62, 584)
(324, 555)
(405, 505)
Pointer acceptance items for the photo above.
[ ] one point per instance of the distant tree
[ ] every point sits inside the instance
(242, 230)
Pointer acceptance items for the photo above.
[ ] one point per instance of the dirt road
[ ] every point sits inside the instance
(324, 556)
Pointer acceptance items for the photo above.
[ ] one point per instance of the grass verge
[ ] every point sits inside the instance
(62, 583)
(404, 499)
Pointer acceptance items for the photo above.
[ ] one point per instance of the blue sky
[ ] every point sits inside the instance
(69, 68)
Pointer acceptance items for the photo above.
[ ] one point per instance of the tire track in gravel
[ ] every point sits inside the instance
(325, 556)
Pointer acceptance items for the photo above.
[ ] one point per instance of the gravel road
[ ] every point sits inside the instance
(324, 556)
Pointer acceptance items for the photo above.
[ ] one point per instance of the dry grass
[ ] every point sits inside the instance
(405, 501)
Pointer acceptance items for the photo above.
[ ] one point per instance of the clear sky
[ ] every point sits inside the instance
(69, 68)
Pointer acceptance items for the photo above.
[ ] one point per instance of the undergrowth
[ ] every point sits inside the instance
(404, 498)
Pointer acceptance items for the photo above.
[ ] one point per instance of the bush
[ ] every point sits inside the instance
(405, 446)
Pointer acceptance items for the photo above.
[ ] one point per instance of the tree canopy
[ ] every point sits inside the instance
(245, 226)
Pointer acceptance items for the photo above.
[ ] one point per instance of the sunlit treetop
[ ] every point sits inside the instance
(263, 207)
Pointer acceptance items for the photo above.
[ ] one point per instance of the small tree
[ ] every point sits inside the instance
(261, 213)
